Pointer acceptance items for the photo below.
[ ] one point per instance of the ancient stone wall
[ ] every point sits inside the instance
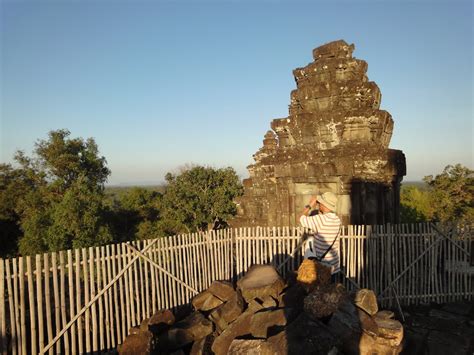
(335, 139)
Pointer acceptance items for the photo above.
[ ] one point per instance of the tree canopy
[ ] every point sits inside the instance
(200, 198)
(448, 197)
(54, 199)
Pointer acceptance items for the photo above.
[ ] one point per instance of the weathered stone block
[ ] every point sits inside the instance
(293, 297)
(368, 323)
(262, 321)
(384, 314)
(269, 302)
(260, 282)
(206, 301)
(228, 312)
(390, 330)
(366, 300)
(240, 326)
(251, 347)
(138, 342)
(202, 346)
(191, 328)
(222, 290)
(160, 321)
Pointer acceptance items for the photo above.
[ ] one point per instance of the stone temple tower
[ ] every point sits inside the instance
(335, 139)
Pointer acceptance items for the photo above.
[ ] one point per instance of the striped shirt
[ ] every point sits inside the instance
(326, 228)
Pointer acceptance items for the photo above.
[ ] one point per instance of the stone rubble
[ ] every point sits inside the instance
(266, 314)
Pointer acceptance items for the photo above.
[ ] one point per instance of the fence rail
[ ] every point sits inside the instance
(86, 300)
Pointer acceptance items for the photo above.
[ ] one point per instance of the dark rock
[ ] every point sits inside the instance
(240, 326)
(160, 321)
(432, 323)
(384, 314)
(345, 325)
(198, 347)
(139, 342)
(438, 343)
(250, 347)
(202, 346)
(366, 300)
(228, 312)
(222, 290)
(414, 341)
(304, 336)
(192, 328)
(367, 323)
(178, 352)
(461, 308)
(260, 281)
(324, 300)
(442, 314)
(264, 320)
(293, 297)
(205, 301)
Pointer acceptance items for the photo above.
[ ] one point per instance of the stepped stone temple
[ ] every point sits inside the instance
(335, 139)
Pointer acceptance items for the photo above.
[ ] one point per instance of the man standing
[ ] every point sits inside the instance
(324, 245)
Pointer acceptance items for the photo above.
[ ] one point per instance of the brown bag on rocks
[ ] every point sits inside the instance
(312, 273)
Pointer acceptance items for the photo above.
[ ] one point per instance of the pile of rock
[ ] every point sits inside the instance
(268, 315)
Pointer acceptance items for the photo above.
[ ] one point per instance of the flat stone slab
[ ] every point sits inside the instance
(240, 326)
(391, 330)
(260, 282)
(227, 312)
(192, 328)
(251, 347)
(205, 301)
(366, 300)
(222, 290)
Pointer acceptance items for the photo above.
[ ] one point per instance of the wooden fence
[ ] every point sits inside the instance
(86, 300)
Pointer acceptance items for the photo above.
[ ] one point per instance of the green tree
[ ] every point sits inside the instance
(15, 184)
(199, 198)
(55, 198)
(452, 194)
(415, 205)
(135, 214)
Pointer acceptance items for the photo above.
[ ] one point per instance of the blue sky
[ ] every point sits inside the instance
(161, 84)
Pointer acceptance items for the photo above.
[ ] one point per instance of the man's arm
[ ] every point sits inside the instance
(311, 205)
(306, 219)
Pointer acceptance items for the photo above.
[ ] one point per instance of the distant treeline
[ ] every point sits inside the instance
(447, 197)
(56, 199)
